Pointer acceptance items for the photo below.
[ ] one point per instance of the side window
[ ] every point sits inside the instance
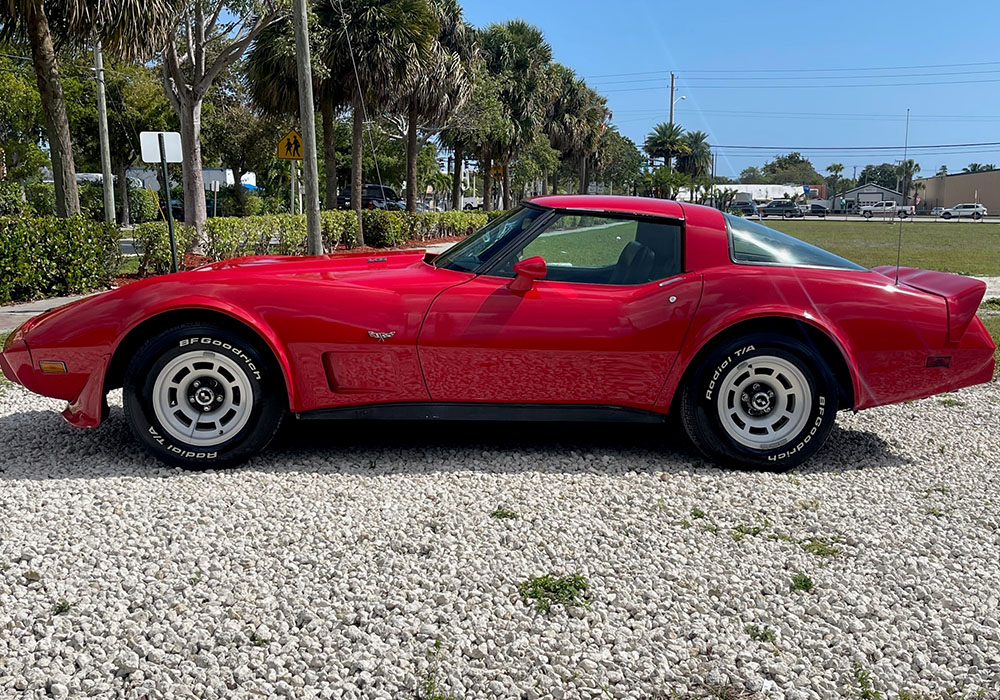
(603, 250)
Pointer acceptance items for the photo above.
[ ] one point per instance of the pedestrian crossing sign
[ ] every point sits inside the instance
(290, 147)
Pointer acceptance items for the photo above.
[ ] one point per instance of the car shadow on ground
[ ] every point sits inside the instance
(40, 445)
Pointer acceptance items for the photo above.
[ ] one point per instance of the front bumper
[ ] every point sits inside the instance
(15, 360)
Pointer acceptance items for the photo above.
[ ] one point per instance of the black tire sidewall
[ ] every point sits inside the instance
(260, 372)
(701, 394)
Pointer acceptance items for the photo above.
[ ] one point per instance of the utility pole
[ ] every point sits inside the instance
(307, 122)
(102, 129)
(671, 99)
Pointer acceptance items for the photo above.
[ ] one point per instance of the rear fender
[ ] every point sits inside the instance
(708, 329)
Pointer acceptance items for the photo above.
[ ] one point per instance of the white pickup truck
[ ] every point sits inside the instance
(885, 207)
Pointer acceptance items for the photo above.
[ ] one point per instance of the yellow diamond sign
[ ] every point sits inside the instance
(290, 147)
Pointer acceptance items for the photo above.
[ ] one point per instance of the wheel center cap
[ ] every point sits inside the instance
(204, 396)
(761, 401)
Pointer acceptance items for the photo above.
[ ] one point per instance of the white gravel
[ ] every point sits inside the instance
(363, 563)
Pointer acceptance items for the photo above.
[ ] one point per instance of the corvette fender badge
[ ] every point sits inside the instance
(381, 337)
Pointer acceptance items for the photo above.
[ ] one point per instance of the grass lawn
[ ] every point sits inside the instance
(992, 324)
(965, 248)
(130, 266)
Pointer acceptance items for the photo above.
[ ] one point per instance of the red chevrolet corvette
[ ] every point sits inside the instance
(569, 308)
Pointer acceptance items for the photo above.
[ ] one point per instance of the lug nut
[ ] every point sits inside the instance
(197, 384)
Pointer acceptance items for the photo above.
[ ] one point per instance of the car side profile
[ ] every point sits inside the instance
(372, 197)
(570, 307)
(780, 207)
(969, 209)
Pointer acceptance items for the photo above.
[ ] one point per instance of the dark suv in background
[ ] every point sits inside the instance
(780, 207)
(372, 197)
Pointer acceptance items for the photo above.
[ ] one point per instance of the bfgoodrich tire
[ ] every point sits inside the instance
(201, 396)
(760, 401)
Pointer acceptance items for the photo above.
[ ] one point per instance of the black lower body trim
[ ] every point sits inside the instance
(486, 412)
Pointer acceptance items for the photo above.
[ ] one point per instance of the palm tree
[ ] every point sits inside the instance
(272, 79)
(517, 53)
(835, 169)
(576, 117)
(381, 41)
(438, 88)
(976, 168)
(942, 171)
(665, 141)
(696, 161)
(126, 28)
(906, 170)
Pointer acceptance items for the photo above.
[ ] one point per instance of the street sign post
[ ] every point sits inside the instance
(164, 147)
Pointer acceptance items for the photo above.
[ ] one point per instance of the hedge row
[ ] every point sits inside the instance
(42, 257)
(285, 234)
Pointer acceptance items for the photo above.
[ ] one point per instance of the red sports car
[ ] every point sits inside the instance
(569, 308)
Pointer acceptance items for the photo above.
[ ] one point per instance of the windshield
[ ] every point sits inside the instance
(750, 242)
(480, 247)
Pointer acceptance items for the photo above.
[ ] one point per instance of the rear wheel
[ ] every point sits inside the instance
(867, 214)
(946, 215)
(201, 396)
(763, 400)
(902, 215)
(977, 216)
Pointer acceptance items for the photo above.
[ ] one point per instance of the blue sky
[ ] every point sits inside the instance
(818, 48)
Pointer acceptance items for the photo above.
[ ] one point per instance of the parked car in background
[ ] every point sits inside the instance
(969, 209)
(886, 207)
(372, 197)
(780, 207)
(815, 210)
(744, 208)
(936, 211)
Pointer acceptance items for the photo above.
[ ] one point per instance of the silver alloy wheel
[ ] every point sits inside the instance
(764, 402)
(202, 398)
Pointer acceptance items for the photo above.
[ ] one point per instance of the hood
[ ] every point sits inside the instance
(342, 263)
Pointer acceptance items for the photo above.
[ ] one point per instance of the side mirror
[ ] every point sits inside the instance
(527, 271)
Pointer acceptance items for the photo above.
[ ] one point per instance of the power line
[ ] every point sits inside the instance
(811, 87)
(859, 148)
(805, 77)
(794, 70)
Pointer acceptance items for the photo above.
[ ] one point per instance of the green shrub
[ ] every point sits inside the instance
(235, 237)
(47, 256)
(339, 228)
(42, 198)
(91, 201)
(143, 206)
(152, 244)
(11, 199)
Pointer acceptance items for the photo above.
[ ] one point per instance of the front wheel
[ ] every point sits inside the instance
(867, 214)
(761, 401)
(200, 396)
(977, 216)
(946, 215)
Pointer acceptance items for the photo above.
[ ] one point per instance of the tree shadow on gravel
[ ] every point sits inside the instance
(40, 445)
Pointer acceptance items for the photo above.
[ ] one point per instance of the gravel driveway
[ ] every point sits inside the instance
(363, 562)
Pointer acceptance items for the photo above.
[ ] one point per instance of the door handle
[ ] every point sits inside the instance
(664, 283)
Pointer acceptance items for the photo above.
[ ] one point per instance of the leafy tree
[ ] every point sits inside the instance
(665, 141)
(751, 175)
(136, 103)
(206, 38)
(884, 175)
(21, 118)
(790, 169)
(128, 28)
(618, 161)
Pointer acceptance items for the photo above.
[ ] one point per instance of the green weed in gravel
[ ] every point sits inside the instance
(549, 589)
(820, 546)
(760, 634)
(801, 582)
(502, 513)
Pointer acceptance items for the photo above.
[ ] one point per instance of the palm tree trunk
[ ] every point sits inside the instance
(124, 215)
(582, 170)
(329, 154)
(456, 180)
(487, 184)
(545, 181)
(555, 181)
(194, 184)
(506, 186)
(411, 157)
(54, 105)
(356, 139)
